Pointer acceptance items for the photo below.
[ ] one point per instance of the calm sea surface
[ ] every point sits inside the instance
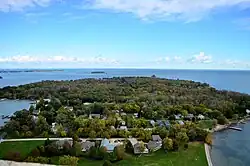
(231, 148)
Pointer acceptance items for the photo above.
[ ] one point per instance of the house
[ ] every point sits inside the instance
(97, 116)
(109, 146)
(87, 145)
(123, 123)
(201, 117)
(154, 146)
(189, 117)
(177, 117)
(156, 138)
(163, 123)
(2, 137)
(247, 111)
(35, 118)
(86, 104)
(123, 114)
(167, 123)
(160, 123)
(180, 122)
(69, 108)
(152, 122)
(123, 128)
(36, 112)
(53, 128)
(136, 115)
(60, 143)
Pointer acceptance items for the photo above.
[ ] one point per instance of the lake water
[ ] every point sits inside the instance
(230, 80)
(231, 148)
(8, 107)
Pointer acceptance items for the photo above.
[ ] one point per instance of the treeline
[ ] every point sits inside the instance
(154, 97)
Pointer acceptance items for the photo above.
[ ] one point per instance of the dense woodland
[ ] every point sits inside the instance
(152, 98)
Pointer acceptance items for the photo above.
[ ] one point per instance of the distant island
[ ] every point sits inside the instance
(26, 71)
(98, 72)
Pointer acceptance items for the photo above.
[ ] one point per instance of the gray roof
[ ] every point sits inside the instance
(87, 145)
(156, 138)
(153, 144)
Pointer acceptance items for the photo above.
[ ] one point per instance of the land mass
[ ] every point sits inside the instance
(26, 71)
(133, 115)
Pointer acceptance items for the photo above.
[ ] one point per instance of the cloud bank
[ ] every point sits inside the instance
(166, 9)
(57, 59)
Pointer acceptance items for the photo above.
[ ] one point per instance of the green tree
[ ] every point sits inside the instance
(168, 144)
(68, 160)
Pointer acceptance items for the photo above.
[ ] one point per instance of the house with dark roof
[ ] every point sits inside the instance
(189, 117)
(163, 123)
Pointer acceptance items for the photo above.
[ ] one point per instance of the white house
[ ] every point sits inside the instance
(201, 117)
(247, 111)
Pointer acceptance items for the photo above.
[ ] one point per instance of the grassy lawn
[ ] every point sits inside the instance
(193, 156)
(24, 147)
(205, 124)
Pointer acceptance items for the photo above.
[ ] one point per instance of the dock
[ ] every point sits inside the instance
(235, 128)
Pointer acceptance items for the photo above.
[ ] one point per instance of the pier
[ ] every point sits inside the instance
(235, 128)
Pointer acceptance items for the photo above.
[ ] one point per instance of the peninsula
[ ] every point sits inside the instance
(107, 120)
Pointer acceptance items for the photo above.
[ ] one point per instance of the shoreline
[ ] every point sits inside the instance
(208, 156)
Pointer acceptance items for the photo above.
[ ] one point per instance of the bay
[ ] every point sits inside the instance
(8, 107)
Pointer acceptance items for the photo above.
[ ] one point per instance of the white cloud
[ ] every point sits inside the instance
(57, 59)
(19, 5)
(163, 59)
(201, 58)
(165, 9)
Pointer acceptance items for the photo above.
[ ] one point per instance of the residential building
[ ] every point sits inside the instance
(109, 146)
(201, 117)
(154, 146)
(156, 138)
(87, 145)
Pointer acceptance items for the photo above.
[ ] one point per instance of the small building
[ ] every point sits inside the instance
(87, 145)
(167, 123)
(201, 117)
(35, 118)
(156, 138)
(160, 123)
(152, 122)
(123, 114)
(86, 104)
(154, 146)
(136, 115)
(247, 111)
(180, 122)
(60, 143)
(189, 117)
(97, 116)
(105, 143)
(123, 123)
(123, 128)
(177, 117)
(69, 108)
(53, 128)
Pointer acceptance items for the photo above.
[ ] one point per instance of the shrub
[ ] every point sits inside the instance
(76, 149)
(35, 152)
(107, 163)
(68, 160)
(52, 150)
(66, 148)
(186, 146)
(209, 139)
(13, 156)
(42, 160)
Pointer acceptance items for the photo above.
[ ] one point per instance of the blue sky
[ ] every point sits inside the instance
(175, 34)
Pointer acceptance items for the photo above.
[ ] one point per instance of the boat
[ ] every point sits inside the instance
(235, 128)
